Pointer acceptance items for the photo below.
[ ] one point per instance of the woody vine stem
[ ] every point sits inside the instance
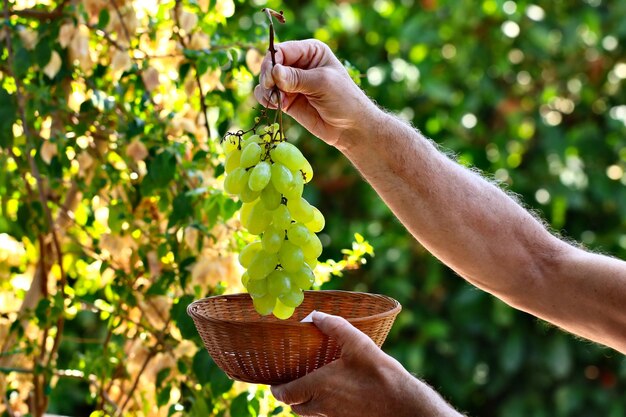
(275, 91)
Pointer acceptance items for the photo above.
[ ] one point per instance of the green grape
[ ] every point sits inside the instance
(264, 305)
(262, 265)
(307, 171)
(281, 217)
(290, 257)
(248, 252)
(298, 234)
(278, 282)
(298, 185)
(270, 197)
(317, 223)
(244, 213)
(303, 278)
(230, 145)
(247, 195)
(251, 155)
(235, 181)
(232, 161)
(252, 139)
(260, 176)
(288, 155)
(282, 178)
(272, 239)
(313, 247)
(282, 311)
(311, 262)
(293, 298)
(300, 210)
(257, 287)
(259, 219)
(245, 278)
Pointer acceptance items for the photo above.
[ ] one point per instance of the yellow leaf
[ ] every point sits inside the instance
(29, 38)
(66, 33)
(120, 61)
(188, 21)
(48, 151)
(137, 150)
(150, 78)
(53, 67)
(253, 61)
(225, 7)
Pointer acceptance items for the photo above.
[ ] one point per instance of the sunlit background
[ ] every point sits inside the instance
(128, 160)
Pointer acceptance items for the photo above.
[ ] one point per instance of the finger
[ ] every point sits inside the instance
(265, 78)
(301, 390)
(297, 80)
(292, 393)
(349, 338)
(308, 409)
(263, 97)
(306, 54)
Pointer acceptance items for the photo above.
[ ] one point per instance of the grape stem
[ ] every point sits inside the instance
(279, 111)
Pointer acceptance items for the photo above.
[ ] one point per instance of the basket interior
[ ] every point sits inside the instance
(352, 306)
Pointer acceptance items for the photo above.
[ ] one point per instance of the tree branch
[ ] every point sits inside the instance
(41, 15)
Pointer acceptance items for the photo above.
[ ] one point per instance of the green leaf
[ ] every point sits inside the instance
(220, 383)
(203, 366)
(8, 116)
(277, 410)
(42, 311)
(117, 216)
(181, 209)
(163, 396)
(239, 407)
(184, 70)
(182, 319)
(161, 170)
(200, 407)
(43, 52)
(229, 208)
(202, 64)
(162, 283)
(103, 18)
(163, 373)
(21, 62)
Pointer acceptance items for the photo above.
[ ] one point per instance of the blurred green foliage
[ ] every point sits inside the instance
(530, 93)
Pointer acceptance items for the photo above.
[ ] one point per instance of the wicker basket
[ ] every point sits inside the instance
(266, 350)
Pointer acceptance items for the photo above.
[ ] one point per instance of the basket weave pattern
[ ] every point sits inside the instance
(266, 350)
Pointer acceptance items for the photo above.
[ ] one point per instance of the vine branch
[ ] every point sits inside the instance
(42, 15)
(281, 18)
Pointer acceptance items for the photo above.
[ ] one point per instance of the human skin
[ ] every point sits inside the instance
(467, 222)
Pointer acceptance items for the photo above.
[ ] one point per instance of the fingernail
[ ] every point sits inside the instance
(280, 70)
(273, 99)
(318, 316)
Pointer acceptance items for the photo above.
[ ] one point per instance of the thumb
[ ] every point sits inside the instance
(294, 80)
(349, 338)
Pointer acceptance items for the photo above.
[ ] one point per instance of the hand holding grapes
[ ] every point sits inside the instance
(316, 89)
(363, 382)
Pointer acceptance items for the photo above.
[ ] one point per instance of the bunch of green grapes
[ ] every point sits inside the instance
(268, 175)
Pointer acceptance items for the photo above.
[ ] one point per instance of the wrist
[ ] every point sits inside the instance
(366, 125)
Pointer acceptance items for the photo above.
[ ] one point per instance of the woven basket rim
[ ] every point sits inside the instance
(397, 307)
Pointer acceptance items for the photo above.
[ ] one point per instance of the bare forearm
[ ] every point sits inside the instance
(486, 236)
(467, 222)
